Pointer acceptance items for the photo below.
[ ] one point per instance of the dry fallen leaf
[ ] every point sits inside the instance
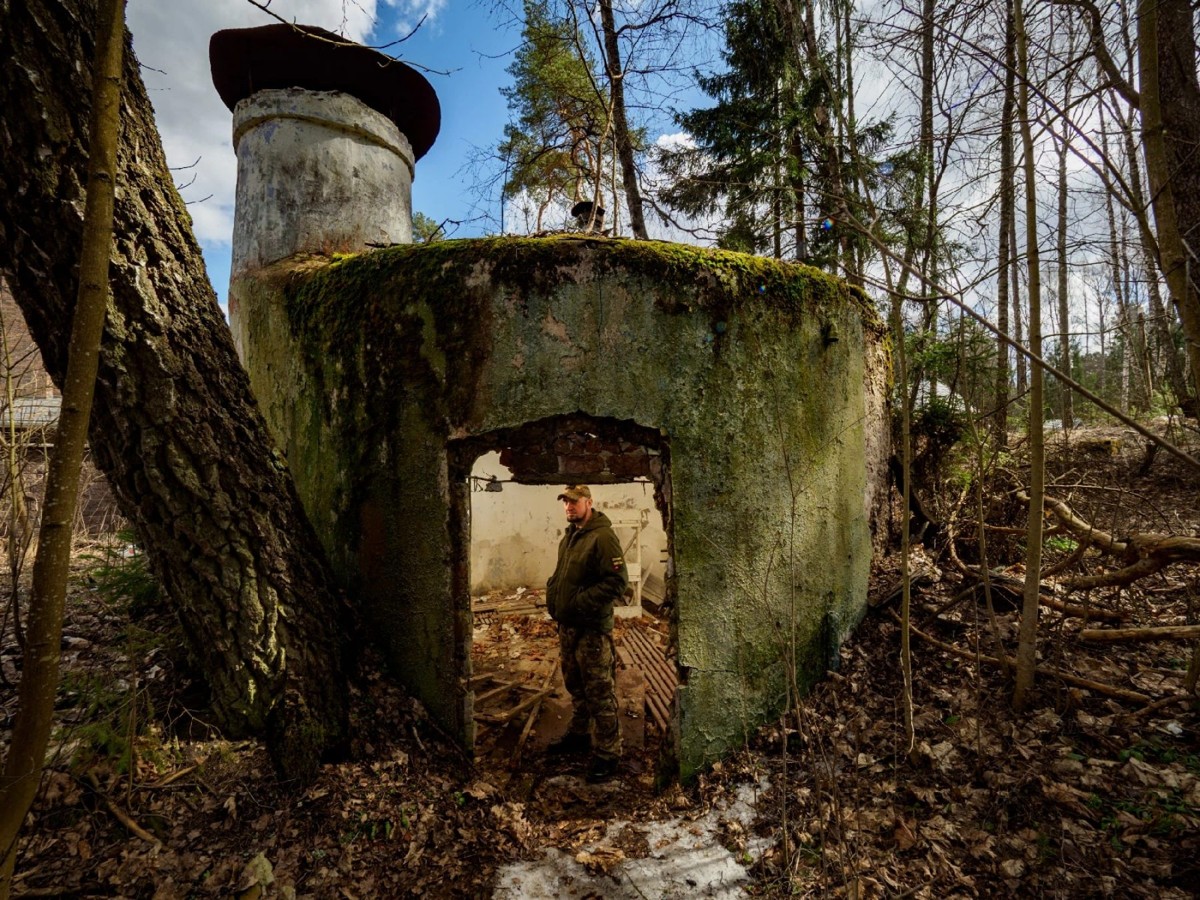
(480, 790)
(1012, 868)
(905, 834)
(600, 860)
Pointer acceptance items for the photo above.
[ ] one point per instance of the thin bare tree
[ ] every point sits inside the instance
(52, 563)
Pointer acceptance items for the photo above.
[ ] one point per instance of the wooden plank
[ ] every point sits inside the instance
(509, 714)
(655, 664)
(631, 707)
(532, 717)
(660, 677)
(506, 606)
(487, 695)
(658, 711)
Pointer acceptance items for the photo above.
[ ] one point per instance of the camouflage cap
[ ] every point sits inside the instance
(576, 492)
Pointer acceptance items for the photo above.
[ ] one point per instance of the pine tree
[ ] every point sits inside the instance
(759, 157)
(559, 142)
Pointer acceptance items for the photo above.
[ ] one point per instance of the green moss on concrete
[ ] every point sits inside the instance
(438, 273)
(402, 296)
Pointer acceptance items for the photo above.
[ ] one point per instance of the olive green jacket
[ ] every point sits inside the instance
(590, 576)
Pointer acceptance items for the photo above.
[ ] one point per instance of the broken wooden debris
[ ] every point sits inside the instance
(521, 603)
(502, 687)
(532, 718)
(509, 714)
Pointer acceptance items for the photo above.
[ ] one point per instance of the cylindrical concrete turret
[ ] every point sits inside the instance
(317, 173)
(326, 135)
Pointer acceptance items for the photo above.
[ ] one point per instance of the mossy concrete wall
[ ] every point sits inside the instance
(764, 378)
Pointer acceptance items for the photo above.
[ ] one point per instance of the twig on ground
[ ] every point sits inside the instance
(1159, 705)
(532, 717)
(119, 814)
(172, 777)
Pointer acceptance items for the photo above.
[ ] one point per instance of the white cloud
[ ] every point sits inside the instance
(680, 140)
(409, 12)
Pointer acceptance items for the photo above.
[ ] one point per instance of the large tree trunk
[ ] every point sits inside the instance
(1170, 107)
(174, 425)
(52, 566)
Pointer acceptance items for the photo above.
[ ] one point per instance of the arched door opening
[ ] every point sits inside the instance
(509, 522)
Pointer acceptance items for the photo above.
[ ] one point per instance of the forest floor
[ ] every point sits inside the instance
(1092, 791)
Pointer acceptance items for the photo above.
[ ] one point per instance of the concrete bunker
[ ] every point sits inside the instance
(750, 391)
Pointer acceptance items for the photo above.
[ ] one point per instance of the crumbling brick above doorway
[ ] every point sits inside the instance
(577, 448)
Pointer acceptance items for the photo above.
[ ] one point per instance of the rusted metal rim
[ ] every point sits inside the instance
(246, 60)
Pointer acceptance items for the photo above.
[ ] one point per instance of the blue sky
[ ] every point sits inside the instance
(462, 38)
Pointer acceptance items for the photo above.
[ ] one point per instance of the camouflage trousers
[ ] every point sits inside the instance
(589, 668)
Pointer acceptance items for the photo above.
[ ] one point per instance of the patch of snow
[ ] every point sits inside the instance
(686, 860)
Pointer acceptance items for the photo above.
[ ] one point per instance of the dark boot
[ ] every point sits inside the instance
(603, 768)
(571, 742)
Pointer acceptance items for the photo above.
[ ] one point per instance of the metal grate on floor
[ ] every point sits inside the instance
(638, 648)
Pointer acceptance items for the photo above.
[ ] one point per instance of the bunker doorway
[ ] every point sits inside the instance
(512, 524)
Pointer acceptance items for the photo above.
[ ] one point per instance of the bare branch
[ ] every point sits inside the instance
(1100, 50)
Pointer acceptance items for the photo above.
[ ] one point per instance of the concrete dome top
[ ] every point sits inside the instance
(247, 60)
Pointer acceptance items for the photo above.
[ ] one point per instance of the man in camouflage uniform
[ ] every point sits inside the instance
(590, 576)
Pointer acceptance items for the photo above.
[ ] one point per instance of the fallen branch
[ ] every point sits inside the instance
(1021, 531)
(919, 578)
(1119, 578)
(119, 814)
(531, 718)
(1144, 554)
(1083, 612)
(1154, 633)
(1099, 687)
(1079, 527)
(1158, 705)
(509, 714)
(134, 827)
(1015, 586)
(171, 778)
